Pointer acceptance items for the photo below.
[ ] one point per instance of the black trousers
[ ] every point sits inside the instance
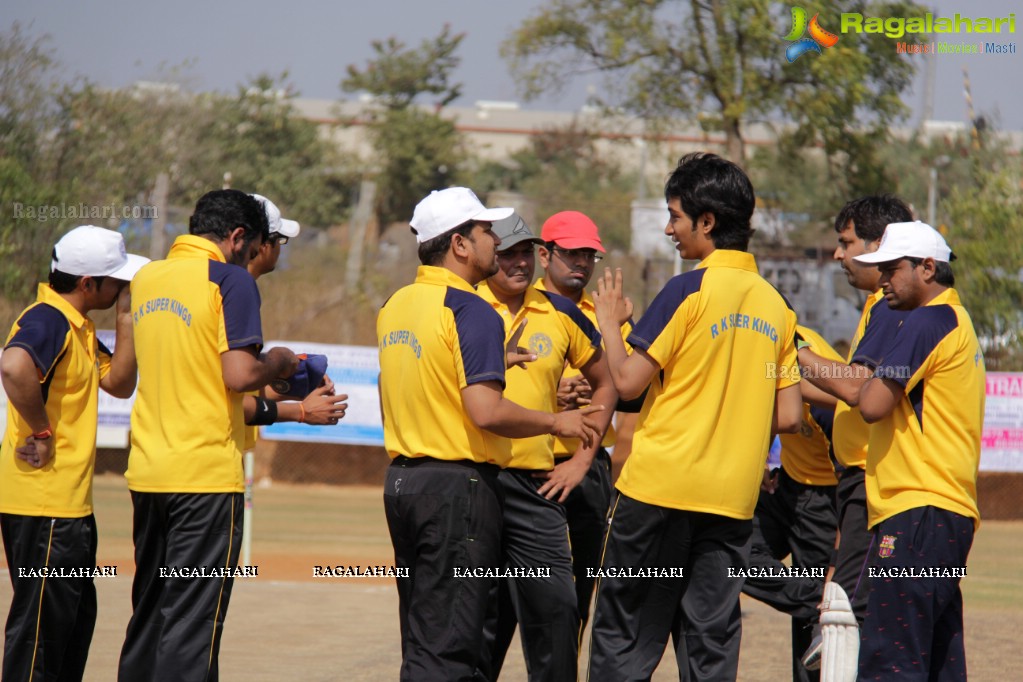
(50, 625)
(444, 519)
(587, 507)
(914, 625)
(854, 543)
(535, 536)
(177, 622)
(634, 616)
(798, 520)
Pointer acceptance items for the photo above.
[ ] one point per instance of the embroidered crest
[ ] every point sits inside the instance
(887, 546)
(540, 344)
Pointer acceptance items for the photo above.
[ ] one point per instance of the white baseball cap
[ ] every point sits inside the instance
(448, 208)
(278, 225)
(909, 240)
(90, 251)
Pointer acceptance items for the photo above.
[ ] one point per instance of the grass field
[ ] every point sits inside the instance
(285, 625)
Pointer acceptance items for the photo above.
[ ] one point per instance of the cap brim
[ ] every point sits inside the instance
(489, 215)
(512, 240)
(127, 271)
(289, 228)
(876, 257)
(579, 243)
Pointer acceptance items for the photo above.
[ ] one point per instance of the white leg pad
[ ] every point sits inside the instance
(841, 636)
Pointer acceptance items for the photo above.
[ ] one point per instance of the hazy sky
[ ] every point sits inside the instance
(116, 42)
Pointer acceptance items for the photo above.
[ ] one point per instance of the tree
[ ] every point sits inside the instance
(563, 169)
(258, 139)
(986, 233)
(29, 85)
(722, 63)
(418, 150)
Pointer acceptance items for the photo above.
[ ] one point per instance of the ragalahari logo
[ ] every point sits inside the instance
(818, 36)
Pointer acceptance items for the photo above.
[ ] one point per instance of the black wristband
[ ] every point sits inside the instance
(266, 413)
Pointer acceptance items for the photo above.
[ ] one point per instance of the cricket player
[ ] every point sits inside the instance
(447, 426)
(705, 347)
(796, 516)
(570, 251)
(262, 408)
(859, 226)
(926, 406)
(198, 338)
(536, 531)
(53, 367)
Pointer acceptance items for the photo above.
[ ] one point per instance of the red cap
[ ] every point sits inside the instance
(571, 230)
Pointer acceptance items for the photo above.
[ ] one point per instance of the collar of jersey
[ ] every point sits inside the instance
(50, 297)
(729, 258)
(585, 302)
(534, 300)
(948, 297)
(190, 246)
(431, 274)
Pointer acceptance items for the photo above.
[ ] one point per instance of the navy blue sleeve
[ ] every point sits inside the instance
(881, 330)
(922, 331)
(241, 304)
(825, 418)
(42, 333)
(480, 336)
(566, 307)
(663, 307)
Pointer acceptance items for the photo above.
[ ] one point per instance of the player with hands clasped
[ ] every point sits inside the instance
(317, 405)
(705, 348)
(447, 424)
(52, 368)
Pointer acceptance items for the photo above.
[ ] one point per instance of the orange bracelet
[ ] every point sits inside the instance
(301, 418)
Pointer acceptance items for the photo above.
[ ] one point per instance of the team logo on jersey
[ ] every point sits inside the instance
(887, 546)
(540, 345)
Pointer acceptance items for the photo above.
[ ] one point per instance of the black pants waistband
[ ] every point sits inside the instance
(483, 467)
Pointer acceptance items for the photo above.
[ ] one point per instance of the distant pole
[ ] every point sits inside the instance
(357, 235)
(157, 230)
(927, 111)
(249, 460)
(974, 135)
(932, 196)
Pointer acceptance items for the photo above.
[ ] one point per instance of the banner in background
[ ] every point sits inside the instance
(1001, 442)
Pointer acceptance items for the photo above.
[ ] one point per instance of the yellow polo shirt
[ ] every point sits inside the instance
(187, 427)
(927, 452)
(877, 327)
(805, 455)
(565, 447)
(436, 337)
(71, 361)
(716, 333)
(557, 332)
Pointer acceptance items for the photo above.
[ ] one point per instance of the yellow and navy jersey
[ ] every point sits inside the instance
(927, 452)
(435, 338)
(187, 427)
(564, 447)
(71, 361)
(558, 333)
(806, 456)
(877, 327)
(724, 340)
